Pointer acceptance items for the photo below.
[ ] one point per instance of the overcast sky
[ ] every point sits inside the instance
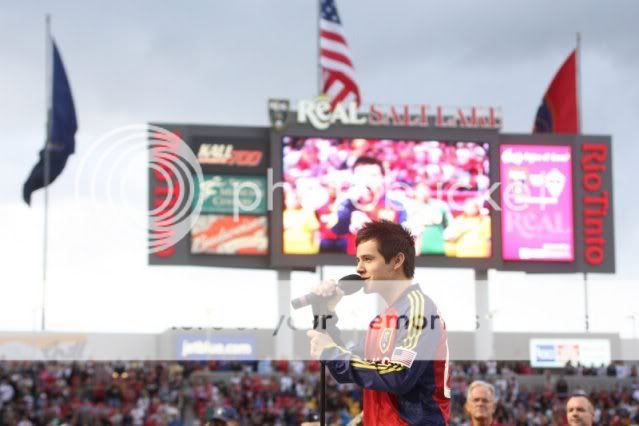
(218, 63)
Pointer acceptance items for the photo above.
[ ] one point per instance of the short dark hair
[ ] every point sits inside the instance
(392, 239)
(366, 161)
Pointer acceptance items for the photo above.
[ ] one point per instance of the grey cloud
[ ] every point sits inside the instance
(218, 62)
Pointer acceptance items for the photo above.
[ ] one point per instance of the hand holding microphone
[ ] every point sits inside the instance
(330, 292)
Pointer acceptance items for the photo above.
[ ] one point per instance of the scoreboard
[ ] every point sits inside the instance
(293, 197)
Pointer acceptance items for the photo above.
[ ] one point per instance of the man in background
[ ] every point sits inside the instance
(579, 410)
(224, 416)
(480, 403)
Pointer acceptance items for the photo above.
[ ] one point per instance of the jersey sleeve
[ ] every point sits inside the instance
(415, 348)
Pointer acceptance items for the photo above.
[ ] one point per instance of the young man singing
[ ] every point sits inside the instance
(402, 365)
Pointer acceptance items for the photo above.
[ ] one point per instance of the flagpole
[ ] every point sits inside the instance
(579, 130)
(578, 89)
(319, 47)
(47, 88)
(320, 268)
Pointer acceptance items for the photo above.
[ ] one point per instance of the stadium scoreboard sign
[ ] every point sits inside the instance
(294, 196)
(321, 116)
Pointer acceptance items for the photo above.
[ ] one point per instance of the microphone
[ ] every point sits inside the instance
(349, 284)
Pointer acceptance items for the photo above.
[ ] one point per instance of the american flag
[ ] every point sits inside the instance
(338, 73)
(403, 356)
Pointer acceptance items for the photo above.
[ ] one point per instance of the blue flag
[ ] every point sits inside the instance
(60, 142)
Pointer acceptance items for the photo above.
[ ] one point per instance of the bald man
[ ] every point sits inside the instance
(579, 411)
(480, 403)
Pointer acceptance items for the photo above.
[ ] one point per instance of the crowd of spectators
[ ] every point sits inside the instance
(274, 392)
(493, 368)
(519, 404)
(52, 393)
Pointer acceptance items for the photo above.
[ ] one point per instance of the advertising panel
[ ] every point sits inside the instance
(226, 154)
(537, 203)
(225, 215)
(555, 353)
(232, 194)
(206, 347)
(216, 234)
(594, 204)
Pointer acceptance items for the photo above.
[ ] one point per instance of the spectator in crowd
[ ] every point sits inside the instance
(225, 416)
(561, 387)
(480, 403)
(569, 369)
(579, 410)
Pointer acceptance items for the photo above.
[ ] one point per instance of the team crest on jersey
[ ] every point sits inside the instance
(385, 339)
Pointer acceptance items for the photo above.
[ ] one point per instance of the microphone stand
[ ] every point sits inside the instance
(322, 393)
(319, 309)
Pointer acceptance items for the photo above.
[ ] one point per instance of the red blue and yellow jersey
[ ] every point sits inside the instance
(402, 365)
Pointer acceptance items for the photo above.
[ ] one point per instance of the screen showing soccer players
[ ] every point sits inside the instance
(437, 189)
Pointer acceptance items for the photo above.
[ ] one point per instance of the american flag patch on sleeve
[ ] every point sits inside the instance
(404, 357)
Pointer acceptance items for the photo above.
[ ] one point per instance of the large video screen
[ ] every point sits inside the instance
(437, 189)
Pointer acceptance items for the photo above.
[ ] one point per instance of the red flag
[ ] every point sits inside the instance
(558, 112)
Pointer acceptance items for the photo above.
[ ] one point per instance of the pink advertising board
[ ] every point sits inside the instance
(537, 203)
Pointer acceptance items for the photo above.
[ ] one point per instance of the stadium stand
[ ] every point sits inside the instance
(282, 392)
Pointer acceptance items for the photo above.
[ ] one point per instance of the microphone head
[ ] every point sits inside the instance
(351, 283)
